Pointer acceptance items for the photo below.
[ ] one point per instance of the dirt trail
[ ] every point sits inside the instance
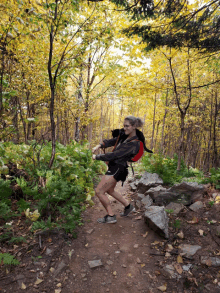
(54, 262)
(122, 249)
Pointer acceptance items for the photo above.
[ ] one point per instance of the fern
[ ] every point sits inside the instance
(8, 259)
(17, 240)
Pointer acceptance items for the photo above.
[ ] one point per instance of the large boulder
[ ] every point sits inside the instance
(157, 219)
(155, 191)
(187, 187)
(175, 207)
(147, 181)
(182, 193)
(168, 196)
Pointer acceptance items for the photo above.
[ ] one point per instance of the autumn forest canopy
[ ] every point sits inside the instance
(71, 70)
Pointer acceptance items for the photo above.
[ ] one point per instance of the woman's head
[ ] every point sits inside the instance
(131, 123)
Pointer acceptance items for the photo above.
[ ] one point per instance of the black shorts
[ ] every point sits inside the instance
(119, 172)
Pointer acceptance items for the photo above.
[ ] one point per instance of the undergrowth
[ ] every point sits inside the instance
(166, 168)
(55, 197)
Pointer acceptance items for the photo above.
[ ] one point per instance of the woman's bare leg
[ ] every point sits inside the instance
(106, 183)
(111, 191)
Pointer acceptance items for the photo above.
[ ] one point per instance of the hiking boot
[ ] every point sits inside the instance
(107, 219)
(127, 211)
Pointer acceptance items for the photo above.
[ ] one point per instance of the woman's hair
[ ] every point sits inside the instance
(135, 121)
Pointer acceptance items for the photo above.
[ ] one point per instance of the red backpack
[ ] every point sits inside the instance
(140, 153)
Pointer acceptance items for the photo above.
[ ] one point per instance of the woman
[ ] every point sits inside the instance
(127, 146)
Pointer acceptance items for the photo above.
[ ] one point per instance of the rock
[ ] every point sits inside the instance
(168, 196)
(196, 206)
(189, 187)
(210, 261)
(197, 195)
(214, 195)
(109, 262)
(157, 219)
(169, 271)
(95, 263)
(147, 181)
(138, 204)
(218, 231)
(133, 186)
(147, 201)
(187, 267)
(60, 267)
(140, 196)
(136, 246)
(189, 250)
(48, 251)
(176, 207)
(155, 191)
(20, 279)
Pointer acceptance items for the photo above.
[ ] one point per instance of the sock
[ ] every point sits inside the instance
(127, 207)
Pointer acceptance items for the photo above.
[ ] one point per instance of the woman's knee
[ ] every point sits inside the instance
(98, 192)
(111, 190)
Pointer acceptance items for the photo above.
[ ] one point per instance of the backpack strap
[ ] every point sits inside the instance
(116, 143)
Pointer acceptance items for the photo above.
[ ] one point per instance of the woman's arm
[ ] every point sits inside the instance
(125, 150)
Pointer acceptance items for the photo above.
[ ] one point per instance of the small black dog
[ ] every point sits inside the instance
(123, 136)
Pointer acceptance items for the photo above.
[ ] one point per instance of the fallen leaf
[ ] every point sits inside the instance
(157, 273)
(155, 242)
(23, 287)
(217, 199)
(167, 254)
(114, 273)
(59, 285)
(201, 232)
(70, 253)
(87, 244)
(179, 259)
(195, 220)
(169, 247)
(49, 240)
(145, 235)
(138, 260)
(52, 270)
(142, 265)
(129, 275)
(57, 290)
(178, 268)
(138, 218)
(163, 288)
(208, 262)
(217, 253)
(180, 235)
(38, 281)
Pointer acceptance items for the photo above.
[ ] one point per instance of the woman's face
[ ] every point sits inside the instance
(128, 128)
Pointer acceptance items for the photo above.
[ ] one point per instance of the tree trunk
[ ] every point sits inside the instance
(180, 152)
(23, 122)
(80, 100)
(163, 126)
(215, 151)
(15, 121)
(152, 137)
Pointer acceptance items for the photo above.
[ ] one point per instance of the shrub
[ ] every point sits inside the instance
(166, 168)
(58, 193)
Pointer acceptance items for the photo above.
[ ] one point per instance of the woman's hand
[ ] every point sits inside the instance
(96, 148)
(93, 157)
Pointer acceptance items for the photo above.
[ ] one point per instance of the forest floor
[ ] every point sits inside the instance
(131, 256)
